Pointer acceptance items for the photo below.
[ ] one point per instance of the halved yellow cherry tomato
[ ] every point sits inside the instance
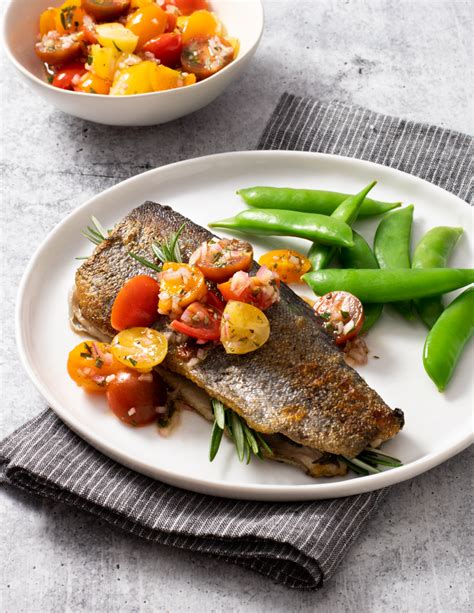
(199, 24)
(147, 22)
(180, 284)
(289, 265)
(104, 61)
(163, 78)
(90, 364)
(140, 348)
(136, 79)
(90, 83)
(117, 36)
(244, 328)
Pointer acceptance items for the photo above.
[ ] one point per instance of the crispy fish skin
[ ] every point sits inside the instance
(297, 384)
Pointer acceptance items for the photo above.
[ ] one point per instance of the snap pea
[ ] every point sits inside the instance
(361, 256)
(389, 285)
(311, 226)
(433, 251)
(308, 200)
(448, 337)
(392, 247)
(319, 255)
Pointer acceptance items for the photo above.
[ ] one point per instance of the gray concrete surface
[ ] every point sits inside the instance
(409, 58)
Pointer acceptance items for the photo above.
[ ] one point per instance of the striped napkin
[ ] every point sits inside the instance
(297, 544)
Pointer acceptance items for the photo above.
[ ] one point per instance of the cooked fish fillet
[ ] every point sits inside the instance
(297, 385)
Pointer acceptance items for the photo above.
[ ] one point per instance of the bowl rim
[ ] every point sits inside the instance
(170, 92)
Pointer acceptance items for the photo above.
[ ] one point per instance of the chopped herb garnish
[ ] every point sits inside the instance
(132, 361)
(88, 349)
(63, 19)
(345, 314)
(325, 316)
(90, 59)
(99, 363)
(117, 47)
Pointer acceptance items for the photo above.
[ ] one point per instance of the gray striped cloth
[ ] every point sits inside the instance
(297, 544)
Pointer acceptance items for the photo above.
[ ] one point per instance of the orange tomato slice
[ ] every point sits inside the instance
(289, 265)
(147, 22)
(91, 364)
(180, 285)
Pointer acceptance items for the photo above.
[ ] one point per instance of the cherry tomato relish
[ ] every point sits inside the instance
(127, 47)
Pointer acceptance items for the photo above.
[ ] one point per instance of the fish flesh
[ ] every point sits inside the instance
(296, 389)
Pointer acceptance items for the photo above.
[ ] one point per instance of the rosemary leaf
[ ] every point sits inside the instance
(250, 438)
(100, 229)
(352, 466)
(263, 443)
(174, 244)
(219, 412)
(377, 452)
(216, 438)
(238, 434)
(145, 262)
(248, 452)
(363, 465)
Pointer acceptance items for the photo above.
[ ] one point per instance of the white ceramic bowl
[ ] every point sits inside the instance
(242, 18)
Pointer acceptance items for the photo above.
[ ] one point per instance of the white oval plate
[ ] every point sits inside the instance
(437, 425)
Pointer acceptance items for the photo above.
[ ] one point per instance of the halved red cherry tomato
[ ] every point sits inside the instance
(289, 265)
(90, 364)
(189, 6)
(65, 77)
(106, 10)
(213, 300)
(136, 304)
(137, 399)
(200, 321)
(172, 21)
(218, 259)
(55, 49)
(88, 30)
(261, 291)
(204, 56)
(166, 48)
(341, 313)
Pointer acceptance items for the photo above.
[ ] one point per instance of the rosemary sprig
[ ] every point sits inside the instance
(369, 460)
(145, 262)
(246, 440)
(168, 251)
(96, 233)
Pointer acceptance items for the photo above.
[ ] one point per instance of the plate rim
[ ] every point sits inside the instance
(244, 491)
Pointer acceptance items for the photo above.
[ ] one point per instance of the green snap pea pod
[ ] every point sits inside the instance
(308, 200)
(433, 251)
(392, 247)
(448, 337)
(319, 255)
(389, 285)
(361, 256)
(311, 226)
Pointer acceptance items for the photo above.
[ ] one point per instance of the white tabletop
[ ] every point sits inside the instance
(402, 57)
